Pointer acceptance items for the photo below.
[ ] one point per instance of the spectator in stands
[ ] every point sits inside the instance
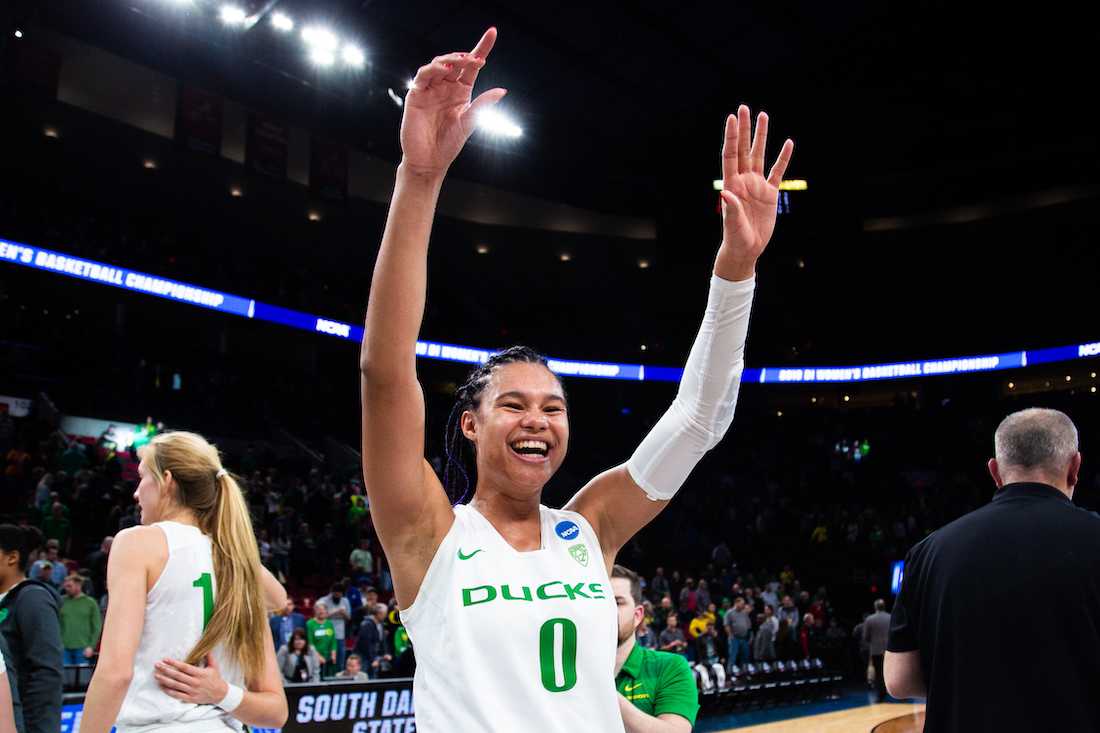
(876, 631)
(702, 595)
(672, 638)
(763, 645)
(769, 595)
(658, 587)
(80, 623)
(738, 628)
(689, 599)
(657, 690)
(298, 662)
(786, 641)
(371, 645)
(706, 654)
(646, 636)
(661, 612)
(789, 613)
(29, 611)
(721, 555)
(97, 566)
(807, 636)
(284, 623)
(362, 561)
(339, 614)
(57, 569)
(353, 669)
(322, 636)
(57, 526)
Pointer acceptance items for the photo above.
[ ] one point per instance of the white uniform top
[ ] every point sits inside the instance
(515, 641)
(176, 609)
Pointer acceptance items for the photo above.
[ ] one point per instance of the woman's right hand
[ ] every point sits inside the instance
(439, 114)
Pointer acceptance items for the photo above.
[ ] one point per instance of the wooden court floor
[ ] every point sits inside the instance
(901, 718)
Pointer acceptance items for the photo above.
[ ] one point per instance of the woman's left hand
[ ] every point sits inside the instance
(186, 682)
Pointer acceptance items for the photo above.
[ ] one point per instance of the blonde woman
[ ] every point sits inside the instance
(186, 643)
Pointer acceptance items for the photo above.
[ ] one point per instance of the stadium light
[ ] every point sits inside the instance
(498, 124)
(483, 249)
(322, 57)
(314, 216)
(232, 14)
(18, 33)
(149, 164)
(282, 22)
(643, 264)
(236, 192)
(395, 97)
(318, 37)
(353, 56)
(409, 83)
(51, 132)
(565, 257)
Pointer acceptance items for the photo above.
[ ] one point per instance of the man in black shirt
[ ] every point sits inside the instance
(959, 633)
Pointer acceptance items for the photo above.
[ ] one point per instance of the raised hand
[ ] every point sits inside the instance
(749, 200)
(439, 114)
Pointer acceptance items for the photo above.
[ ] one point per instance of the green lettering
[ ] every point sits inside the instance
(506, 593)
(575, 590)
(468, 595)
(597, 590)
(544, 596)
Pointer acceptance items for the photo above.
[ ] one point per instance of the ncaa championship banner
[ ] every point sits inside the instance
(383, 706)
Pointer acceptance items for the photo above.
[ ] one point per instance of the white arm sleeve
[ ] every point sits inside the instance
(704, 405)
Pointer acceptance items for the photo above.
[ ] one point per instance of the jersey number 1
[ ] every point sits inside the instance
(205, 582)
(550, 662)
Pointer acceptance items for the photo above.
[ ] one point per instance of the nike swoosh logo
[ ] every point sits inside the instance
(631, 688)
(467, 557)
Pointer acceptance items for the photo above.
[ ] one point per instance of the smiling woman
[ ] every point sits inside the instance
(508, 601)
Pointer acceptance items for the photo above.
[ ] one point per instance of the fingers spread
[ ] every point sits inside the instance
(781, 163)
(744, 126)
(759, 142)
(729, 150)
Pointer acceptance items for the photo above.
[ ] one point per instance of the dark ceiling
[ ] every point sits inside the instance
(895, 108)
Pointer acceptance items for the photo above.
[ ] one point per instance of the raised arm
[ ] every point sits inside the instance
(410, 509)
(622, 500)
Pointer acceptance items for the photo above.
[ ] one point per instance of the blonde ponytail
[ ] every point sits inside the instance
(213, 494)
(238, 617)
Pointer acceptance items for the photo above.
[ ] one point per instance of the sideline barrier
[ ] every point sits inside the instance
(120, 277)
(378, 706)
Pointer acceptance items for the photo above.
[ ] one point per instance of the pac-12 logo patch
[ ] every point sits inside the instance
(567, 530)
(580, 554)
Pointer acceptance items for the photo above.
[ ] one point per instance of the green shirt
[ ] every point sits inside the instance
(658, 682)
(322, 637)
(80, 622)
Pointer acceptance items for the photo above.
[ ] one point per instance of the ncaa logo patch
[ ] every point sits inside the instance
(567, 530)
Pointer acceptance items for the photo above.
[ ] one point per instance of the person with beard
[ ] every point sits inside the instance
(657, 692)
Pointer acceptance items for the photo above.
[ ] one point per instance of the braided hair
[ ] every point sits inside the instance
(460, 468)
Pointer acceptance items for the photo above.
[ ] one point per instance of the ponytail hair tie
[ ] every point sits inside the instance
(221, 473)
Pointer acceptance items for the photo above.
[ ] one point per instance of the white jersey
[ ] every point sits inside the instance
(176, 610)
(515, 641)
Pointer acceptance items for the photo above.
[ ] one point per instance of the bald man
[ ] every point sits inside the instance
(965, 631)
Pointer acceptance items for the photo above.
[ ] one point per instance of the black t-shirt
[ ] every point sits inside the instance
(1004, 606)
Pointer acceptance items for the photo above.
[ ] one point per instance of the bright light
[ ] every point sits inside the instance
(1092, 389)
(813, 400)
(795, 184)
(322, 57)
(779, 413)
(565, 256)
(51, 132)
(149, 163)
(314, 216)
(395, 97)
(232, 15)
(1012, 385)
(643, 347)
(409, 84)
(353, 56)
(18, 33)
(497, 123)
(643, 264)
(282, 22)
(318, 37)
(236, 192)
(1069, 378)
(483, 249)
(847, 398)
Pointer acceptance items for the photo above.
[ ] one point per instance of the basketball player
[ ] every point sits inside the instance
(508, 602)
(185, 585)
